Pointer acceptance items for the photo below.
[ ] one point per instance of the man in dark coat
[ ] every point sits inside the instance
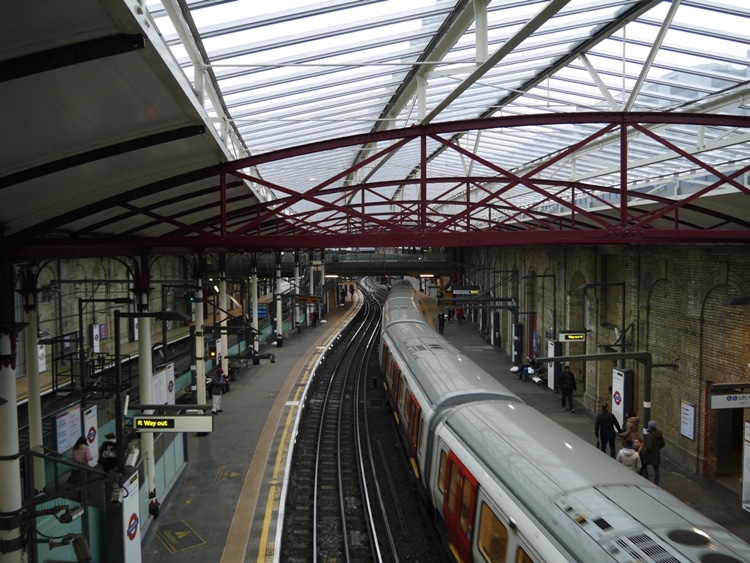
(567, 384)
(653, 444)
(606, 428)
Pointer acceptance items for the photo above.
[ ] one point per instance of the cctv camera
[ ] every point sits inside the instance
(71, 514)
(116, 498)
(132, 458)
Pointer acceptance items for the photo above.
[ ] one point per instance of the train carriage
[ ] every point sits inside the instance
(508, 484)
(410, 347)
(559, 499)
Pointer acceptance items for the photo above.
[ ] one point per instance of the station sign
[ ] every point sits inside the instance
(572, 336)
(730, 401)
(466, 290)
(179, 423)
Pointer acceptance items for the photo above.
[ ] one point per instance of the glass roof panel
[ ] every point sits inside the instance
(314, 71)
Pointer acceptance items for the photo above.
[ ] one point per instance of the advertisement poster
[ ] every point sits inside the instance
(95, 338)
(92, 432)
(131, 523)
(42, 357)
(159, 387)
(170, 384)
(68, 428)
(687, 419)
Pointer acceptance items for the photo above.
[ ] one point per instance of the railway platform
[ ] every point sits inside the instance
(225, 505)
(704, 495)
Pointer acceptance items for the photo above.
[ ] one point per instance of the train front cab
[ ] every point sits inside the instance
(466, 511)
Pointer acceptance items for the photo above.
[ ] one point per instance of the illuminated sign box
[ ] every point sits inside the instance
(466, 290)
(183, 423)
(730, 401)
(576, 336)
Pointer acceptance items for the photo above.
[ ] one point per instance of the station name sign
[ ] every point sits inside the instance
(179, 423)
(572, 336)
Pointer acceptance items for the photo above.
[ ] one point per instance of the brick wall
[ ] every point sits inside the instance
(673, 306)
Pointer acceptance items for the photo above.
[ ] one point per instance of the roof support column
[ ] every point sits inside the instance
(623, 177)
(254, 301)
(296, 292)
(198, 319)
(10, 470)
(29, 293)
(423, 183)
(142, 291)
(222, 309)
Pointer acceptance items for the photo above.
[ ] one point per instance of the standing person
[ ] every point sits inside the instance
(629, 457)
(441, 322)
(108, 453)
(638, 447)
(604, 428)
(313, 319)
(81, 453)
(567, 385)
(652, 445)
(631, 428)
(224, 378)
(217, 390)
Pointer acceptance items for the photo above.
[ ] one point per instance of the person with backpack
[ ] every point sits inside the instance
(567, 385)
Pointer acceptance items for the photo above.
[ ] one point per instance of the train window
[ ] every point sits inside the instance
(443, 476)
(493, 536)
(454, 488)
(401, 392)
(464, 515)
(523, 557)
(407, 409)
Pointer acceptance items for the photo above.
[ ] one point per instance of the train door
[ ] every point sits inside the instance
(393, 380)
(412, 413)
(458, 507)
(385, 358)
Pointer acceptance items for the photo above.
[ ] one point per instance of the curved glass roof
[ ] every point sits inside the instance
(277, 78)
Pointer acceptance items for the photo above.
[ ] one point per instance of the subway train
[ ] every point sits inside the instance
(505, 483)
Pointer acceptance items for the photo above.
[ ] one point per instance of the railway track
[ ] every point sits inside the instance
(346, 499)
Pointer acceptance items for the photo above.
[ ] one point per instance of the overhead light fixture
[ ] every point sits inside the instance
(742, 300)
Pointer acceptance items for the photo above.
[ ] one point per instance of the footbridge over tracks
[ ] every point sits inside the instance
(347, 263)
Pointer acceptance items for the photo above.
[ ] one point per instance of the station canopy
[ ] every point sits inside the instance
(373, 123)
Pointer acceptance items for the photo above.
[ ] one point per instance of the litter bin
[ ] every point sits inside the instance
(279, 340)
